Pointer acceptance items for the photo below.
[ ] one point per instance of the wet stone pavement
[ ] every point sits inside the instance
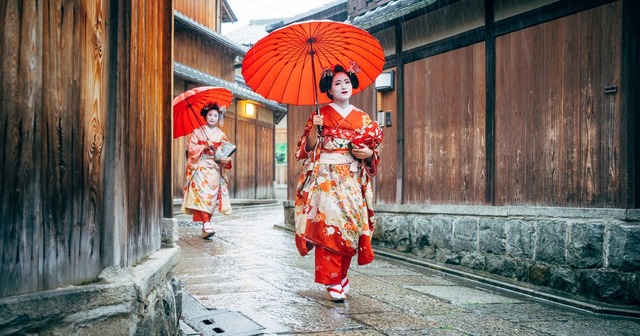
(249, 279)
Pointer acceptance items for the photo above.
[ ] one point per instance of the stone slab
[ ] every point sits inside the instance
(460, 295)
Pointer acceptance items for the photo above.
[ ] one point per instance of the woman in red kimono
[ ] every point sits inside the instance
(333, 205)
(205, 185)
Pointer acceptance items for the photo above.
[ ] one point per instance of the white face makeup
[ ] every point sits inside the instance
(341, 87)
(212, 118)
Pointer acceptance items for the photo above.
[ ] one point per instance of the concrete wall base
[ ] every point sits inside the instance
(142, 300)
(590, 255)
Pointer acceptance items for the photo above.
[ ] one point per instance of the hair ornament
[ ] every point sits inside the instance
(327, 72)
(353, 67)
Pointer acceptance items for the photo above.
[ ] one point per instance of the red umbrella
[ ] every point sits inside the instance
(187, 107)
(283, 65)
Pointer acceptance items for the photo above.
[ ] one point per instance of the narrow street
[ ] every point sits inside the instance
(249, 280)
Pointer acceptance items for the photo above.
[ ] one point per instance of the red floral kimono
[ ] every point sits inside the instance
(204, 186)
(334, 198)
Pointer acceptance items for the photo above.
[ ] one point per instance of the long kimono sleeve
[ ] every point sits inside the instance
(301, 147)
(230, 164)
(371, 166)
(374, 135)
(194, 148)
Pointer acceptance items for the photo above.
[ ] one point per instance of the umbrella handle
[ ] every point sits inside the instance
(319, 127)
(313, 73)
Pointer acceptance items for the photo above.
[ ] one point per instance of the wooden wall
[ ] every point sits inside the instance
(194, 51)
(557, 133)
(203, 11)
(265, 160)
(386, 189)
(143, 114)
(82, 138)
(297, 118)
(244, 183)
(560, 140)
(444, 160)
(52, 142)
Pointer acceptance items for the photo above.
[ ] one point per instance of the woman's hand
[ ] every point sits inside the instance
(362, 153)
(225, 161)
(318, 120)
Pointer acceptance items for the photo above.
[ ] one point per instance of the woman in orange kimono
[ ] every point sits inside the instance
(205, 185)
(333, 205)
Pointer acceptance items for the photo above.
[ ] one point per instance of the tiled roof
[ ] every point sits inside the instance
(388, 12)
(187, 72)
(189, 23)
(250, 34)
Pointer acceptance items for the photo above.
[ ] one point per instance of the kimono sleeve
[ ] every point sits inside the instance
(301, 152)
(194, 148)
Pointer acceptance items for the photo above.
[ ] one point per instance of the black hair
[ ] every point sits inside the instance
(327, 79)
(209, 107)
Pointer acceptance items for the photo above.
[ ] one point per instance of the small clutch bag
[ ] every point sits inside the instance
(225, 150)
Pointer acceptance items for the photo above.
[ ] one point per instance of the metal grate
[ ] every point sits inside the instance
(209, 322)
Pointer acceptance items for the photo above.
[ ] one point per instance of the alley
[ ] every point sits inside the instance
(251, 270)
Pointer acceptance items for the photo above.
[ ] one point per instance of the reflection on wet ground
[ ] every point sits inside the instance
(251, 267)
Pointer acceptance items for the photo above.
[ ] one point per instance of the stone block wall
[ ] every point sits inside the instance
(143, 300)
(593, 254)
(588, 254)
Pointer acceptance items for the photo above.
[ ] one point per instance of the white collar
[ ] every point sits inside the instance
(343, 112)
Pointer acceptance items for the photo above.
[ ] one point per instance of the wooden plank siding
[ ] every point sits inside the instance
(81, 128)
(246, 163)
(557, 133)
(141, 104)
(537, 130)
(265, 165)
(194, 51)
(444, 128)
(51, 138)
(386, 182)
(297, 118)
(202, 11)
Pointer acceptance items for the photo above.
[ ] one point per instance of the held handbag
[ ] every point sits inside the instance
(225, 150)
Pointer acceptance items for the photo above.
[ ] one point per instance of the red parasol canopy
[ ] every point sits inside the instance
(187, 107)
(284, 66)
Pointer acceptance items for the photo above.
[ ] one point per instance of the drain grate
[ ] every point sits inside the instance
(225, 323)
(217, 322)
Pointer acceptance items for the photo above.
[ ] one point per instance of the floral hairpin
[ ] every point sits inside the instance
(327, 72)
(353, 67)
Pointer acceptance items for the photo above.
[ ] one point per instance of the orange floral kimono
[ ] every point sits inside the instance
(204, 186)
(334, 198)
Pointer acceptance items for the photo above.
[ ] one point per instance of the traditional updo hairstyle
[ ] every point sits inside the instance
(327, 79)
(209, 107)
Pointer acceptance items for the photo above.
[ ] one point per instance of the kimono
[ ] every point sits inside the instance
(334, 197)
(205, 185)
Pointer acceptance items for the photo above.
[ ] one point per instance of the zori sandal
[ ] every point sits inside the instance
(207, 232)
(345, 285)
(335, 293)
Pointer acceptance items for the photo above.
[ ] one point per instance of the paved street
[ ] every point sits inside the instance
(250, 276)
